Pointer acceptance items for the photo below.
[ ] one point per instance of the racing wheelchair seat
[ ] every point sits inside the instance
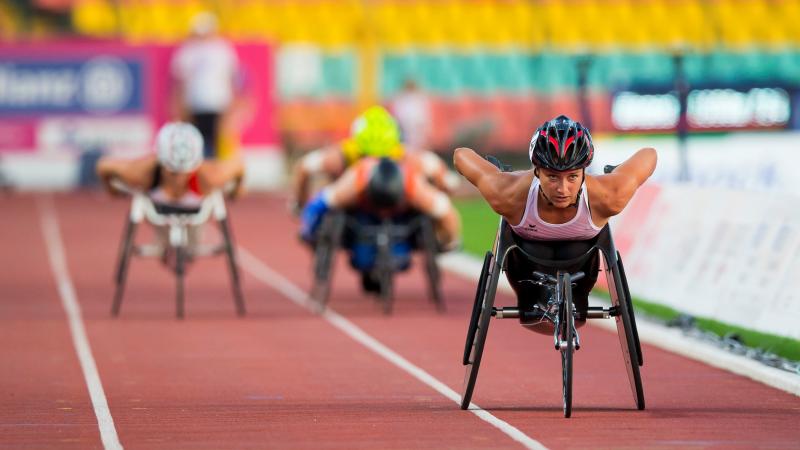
(373, 241)
(180, 225)
(556, 274)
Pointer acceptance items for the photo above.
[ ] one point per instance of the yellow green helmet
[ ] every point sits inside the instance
(376, 133)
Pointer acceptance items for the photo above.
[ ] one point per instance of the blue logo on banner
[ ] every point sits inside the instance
(101, 85)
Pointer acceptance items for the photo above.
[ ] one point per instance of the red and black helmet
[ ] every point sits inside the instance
(561, 144)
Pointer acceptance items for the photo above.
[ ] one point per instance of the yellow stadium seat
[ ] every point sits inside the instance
(94, 18)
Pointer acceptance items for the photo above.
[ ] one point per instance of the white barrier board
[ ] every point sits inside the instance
(732, 256)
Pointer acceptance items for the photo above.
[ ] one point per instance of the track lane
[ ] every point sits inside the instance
(279, 378)
(689, 404)
(44, 402)
(204, 383)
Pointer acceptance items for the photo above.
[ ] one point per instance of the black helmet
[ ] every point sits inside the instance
(561, 144)
(386, 186)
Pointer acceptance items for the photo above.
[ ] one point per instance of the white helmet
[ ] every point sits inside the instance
(179, 146)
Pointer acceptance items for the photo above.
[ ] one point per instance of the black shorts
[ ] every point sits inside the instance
(519, 270)
(208, 125)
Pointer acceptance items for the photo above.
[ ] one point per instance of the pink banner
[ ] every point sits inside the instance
(67, 96)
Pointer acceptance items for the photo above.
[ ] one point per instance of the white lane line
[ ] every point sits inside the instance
(69, 300)
(291, 291)
(672, 340)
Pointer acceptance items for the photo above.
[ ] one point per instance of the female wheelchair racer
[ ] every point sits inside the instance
(554, 225)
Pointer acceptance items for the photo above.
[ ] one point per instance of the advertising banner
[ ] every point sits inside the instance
(77, 96)
(708, 108)
(731, 256)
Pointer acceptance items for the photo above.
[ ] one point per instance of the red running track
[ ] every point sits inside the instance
(284, 378)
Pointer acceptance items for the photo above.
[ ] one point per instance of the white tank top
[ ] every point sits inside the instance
(532, 227)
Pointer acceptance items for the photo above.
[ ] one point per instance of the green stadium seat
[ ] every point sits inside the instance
(338, 74)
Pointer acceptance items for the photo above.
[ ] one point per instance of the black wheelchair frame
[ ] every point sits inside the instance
(560, 311)
(177, 254)
(338, 224)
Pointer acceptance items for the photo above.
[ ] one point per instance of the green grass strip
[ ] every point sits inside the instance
(479, 229)
(782, 346)
(479, 225)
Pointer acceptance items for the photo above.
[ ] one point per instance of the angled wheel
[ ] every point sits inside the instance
(233, 269)
(566, 329)
(625, 331)
(431, 266)
(474, 351)
(477, 306)
(630, 310)
(125, 253)
(330, 235)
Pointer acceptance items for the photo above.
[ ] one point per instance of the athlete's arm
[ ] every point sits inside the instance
(435, 170)
(217, 174)
(434, 203)
(500, 189)
(135, 173)
(615, 190)
(327, 160)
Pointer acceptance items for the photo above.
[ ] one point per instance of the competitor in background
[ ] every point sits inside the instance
(556, 204)
(176, 175)
(373, 189)
(373, 134)
(384, 186)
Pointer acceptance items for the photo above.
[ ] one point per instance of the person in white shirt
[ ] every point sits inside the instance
(205, 74)
(412, 109)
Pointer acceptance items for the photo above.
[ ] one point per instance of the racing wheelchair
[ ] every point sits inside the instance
(181, 245)
(347, 229)
(558, 311)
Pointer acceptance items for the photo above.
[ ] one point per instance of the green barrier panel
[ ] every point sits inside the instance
(339, 74)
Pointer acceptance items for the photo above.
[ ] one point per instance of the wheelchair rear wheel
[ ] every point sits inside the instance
(233, 269)
(330, 235)
(125, 253)
(626, 333)
(566, 335)
(479, 326)
(630, 310)
(431, 266)
(476, 307)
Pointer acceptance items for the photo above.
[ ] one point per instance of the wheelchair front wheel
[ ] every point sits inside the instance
(384, 268)
(386, 288)
(180, 274)
(567, 341)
